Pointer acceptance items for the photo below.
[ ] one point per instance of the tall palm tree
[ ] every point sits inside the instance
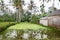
(2, 5)
(2, 8)
(43, 6)
(18, 5)
(53, 8)
(30, 5)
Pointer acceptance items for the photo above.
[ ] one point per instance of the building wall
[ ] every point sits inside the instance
(53, 21)
(44, 22)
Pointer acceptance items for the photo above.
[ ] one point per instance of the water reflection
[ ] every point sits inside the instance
(29, 35)
(11, 34)
(26, 36)
(1, 37)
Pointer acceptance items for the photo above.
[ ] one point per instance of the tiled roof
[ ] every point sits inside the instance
(57, 12)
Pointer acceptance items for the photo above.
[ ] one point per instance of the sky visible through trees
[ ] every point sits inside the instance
(36, 4)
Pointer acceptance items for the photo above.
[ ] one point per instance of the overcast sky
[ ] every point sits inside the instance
(37, 3)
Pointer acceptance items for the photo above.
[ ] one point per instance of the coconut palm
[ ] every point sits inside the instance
(18, 5)
(43, 6)
(2, 5)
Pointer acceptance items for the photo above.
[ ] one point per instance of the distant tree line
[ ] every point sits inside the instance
(20, 16)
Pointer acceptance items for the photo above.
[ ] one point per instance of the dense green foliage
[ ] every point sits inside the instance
(7, 17)
(35, 18)
(28, 17)
(4, 25)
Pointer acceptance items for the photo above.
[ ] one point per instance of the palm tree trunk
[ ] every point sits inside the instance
(18, 5)
(19, 14)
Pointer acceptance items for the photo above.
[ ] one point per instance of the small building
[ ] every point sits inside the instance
(52, 20)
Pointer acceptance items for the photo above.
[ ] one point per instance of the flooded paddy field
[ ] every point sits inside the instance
(29, 34)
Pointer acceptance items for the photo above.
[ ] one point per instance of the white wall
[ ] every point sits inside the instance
(44, 22)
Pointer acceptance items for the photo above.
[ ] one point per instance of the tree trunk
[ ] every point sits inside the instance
(19, 8)
(19, 14)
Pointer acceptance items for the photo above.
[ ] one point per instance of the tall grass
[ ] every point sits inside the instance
(5, 25)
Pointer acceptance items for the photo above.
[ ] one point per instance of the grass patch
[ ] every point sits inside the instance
(27, 26)
(52, 28)
(4, 25)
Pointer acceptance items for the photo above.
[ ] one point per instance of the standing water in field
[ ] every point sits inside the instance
(29, 34)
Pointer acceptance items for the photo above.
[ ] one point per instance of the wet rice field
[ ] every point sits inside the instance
(29, 34)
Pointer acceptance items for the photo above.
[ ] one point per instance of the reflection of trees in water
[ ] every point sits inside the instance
(27, 35)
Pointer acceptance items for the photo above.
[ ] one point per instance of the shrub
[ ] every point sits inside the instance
(26, 17)
(7, 17)
(35, 18)
(4, 25)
